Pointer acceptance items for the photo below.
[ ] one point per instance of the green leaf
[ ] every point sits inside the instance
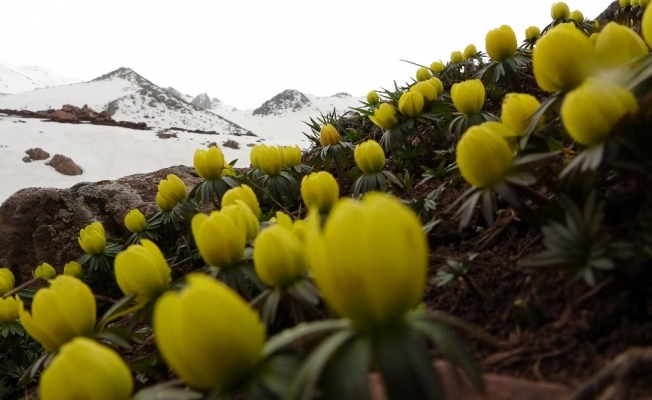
(347, 375)
(303, 333)
(114, 309)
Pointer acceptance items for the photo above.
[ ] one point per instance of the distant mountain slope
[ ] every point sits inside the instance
(18, 79)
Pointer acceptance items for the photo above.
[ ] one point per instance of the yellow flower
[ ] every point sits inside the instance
(221, 242)
(9, 309)
(427, 90)
(299, 229)
(483, 157)
(279, 257)
(562, 59)
(646, 26)
(253, 155)
(643, 3)
(208, 347)
(328, 135)
(559, 10)
(369, 156)
(594, 38)
(503, 131)
(282, 219)
(209, 163)
(170, 192)
(410, 104)
(142, 269)
(517, 111)
(617, 45)
(60, 312)
(437, 83)
(270, 159)
(243, 217)
(73, 268)
(501, 43)
(85, 369)
(594, 108)
(457, 57)
(244, 193)
(623, 3)
(7, 281)
(468, 96)
(634, 3)
(370, 261)
(532, 32)
(423, 74)
(135, 221)
(228, 170)
(577, 16)
(470, 51)
(92, 239)
(437, 66)
(372, 97)
(45, 271)
(291, 156)
(384, 116)
(319, 190)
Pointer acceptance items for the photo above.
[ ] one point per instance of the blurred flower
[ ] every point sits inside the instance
(221, 242)
(470, 51)
(559, 10)
(577, 16)
(270, 159)
(282, 219)
(457, 57)
(468, 96)
(501, 43)
(594, 38)
(209, 163)
(299, 228)
(170, 192)
(643, 3)
(135, 221)
(92, 239)
(410, 104)
(73, 268)
(244, 193)
(503, 131)
(291, 156)
(617, 45)
(243, 217)
(370, 260)
(384, 116)
(279, 257)
(208, 347)
(562, 59)
(142, 269)
(437, 66)
(85, 369)
(427, 90)
(253, 155)
(320, 190)
(591, 111)
(483, 157)
(7, 280)
(623, 3)
(437, 83)
(369, 156)
(517, 110)
(9, 309)
(423, 74)
(646, 26)
(45, 271)
(372, 97)
(329, 135)
(532, 32)
(60, 312)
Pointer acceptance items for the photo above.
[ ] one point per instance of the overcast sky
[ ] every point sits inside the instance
(246, 51)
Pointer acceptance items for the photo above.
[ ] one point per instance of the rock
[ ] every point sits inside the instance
(65, 165)
(165, 135)
(37, 154)
(231, 144)
(42, 225)
(27, 159)
(63, 116)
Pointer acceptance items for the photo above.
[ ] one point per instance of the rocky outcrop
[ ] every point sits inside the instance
(609, 14)
(64, 165)
(288, 100)
(74, 115)
(37, 153)
(203, 101)
(42, 225)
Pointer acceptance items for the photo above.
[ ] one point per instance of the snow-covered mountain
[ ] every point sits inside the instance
(215, 105)
(174, 92)
(18, 79)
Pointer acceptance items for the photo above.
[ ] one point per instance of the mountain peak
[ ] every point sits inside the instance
(123, 73)
(202, 101)
(342, 95)
(288, 100)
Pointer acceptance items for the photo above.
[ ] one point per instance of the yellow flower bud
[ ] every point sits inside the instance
(517, 110)
(437, 66)
(384, 116)
(577, 16)
(623, 3)
(221, 242)
(483, 157)
(270, 159)
(208, 347)
(372, 97)
(282, 219)
(457, 57)
(634, 3)
(170, 192)
(209, 163)
(562, 59)
(501, 43)
(135, 221)
(279, 257)
(468, 96)
(291, 156)
(427, 90)
(559, 10)
(594, 108)
(60, 312)
(320, 190)
(532, 32)
(470, 51)
(228, 170)
(92, 239)
(369, 156)
(423, 74)
(45, 271)
(594, 38)
(244, 193)
(142, 269)
(617, 45)
(7, 280)
(646, 26)
(411, 104)
(328, 135)
(370, 261)
(9, 309)
(643, 3)
(243, 217)
(299, 229)
(73, 268)
(253, 155)
(437, 83)
(503, 131)
(85, 369)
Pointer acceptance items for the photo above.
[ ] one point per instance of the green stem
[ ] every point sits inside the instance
(21, 287)
(115, 316)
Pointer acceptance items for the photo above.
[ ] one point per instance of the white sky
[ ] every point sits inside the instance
(246, 51)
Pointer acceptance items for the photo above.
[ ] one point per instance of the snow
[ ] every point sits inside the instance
(17, 79)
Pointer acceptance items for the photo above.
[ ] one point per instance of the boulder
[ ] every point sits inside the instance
(64, 165)
(63, 116)
(231, 144)
(42, 224)
(37, 153)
